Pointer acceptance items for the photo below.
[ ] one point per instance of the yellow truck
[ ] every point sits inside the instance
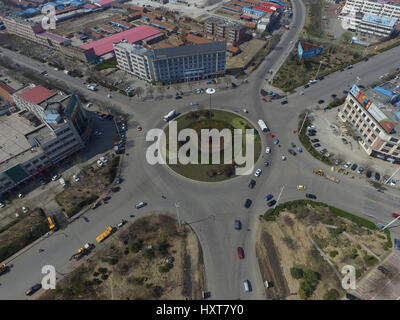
(82, 251)
(319, 172)
(52, 223)
(104, 235)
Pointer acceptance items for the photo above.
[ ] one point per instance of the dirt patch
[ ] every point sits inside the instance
(149, 259)
(93, 180)
(344, 241)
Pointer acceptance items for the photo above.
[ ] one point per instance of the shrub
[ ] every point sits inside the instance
(137, 281)
(165, 267)
(305, 290)
(148, 254)
(156, 291)
(296, 273)
(311, 277)
(163, 246)
(137, 245)
(104, 276)
(96, 281)
(333, 253)
(102, 270)
(332, 294)
(95, 274)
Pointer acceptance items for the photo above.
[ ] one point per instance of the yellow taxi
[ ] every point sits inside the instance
(301, 187)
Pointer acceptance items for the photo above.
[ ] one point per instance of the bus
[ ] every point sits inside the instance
(262, 125)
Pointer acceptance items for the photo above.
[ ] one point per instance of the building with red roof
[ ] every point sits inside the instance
(263, 9)
(139, 33)
(195, 39)
(37, 94)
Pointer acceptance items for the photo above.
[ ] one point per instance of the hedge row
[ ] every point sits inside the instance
(358, 220)
(24, 240)
(81, 204)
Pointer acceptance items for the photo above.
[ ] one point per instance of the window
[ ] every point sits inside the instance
(394, 140)
(377, 130)
(373, 136)
(389, 145)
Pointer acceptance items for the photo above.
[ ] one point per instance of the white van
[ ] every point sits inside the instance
(262, 125)
(246, 284)
(170, 115)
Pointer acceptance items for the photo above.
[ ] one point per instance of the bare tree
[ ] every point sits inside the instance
(139, 92)
(161, 90)
(150, 90)
(228, 81)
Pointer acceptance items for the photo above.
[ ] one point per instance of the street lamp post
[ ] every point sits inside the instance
(210, 92)
(177, 205)
(280, 193)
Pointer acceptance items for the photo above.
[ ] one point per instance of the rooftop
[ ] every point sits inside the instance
(308, 46)
(189, 49)
(36, 94)
(224, 22)
(133, 35)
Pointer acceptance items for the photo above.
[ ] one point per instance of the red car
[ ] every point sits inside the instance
(265, 100)
(271, 134)
(240, 252)
(395, 215)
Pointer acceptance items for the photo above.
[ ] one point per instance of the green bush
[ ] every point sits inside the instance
(137, 245)
(102, 270)
(305, 290)
(163, 247)
(311, 277)
(333, 253)
(104, 276)
(71, 212)
(332, 294)
(165, 267)
(156, 291)
(148, 253)
(136, 281)
(369, 260)
(296, 273)
(96, 281)
(358, 220)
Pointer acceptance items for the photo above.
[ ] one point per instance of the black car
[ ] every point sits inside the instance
(266, 164)
(234, 85)
(178, 97)
(323, 151)
(314, 140)
(341, 70)
(383, 270)
(354, 167)
(345, 92)
(311, 196)
(317, 145)
(377, 176)
(33, 289)
(110, 117)
(247, 204)
(291, 152)
(118, 181)
(238, 225)
(366, 59)
(252, 184)
(284, 102)
(321, 101)
(361, 86)
(311, 134)
(306, 86)
(368, 174)
(271, 203)
(350, 296)
(333, 95)
(321, 78)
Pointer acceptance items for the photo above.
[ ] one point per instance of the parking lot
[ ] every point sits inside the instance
(332, 136)
(381, 285)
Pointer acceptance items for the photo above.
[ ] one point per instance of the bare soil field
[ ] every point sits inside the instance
(306, 273)
(148, 259)
(93, 180)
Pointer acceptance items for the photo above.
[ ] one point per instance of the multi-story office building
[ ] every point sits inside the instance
(49, 127)
(374, 115)
(233, 32)
(389, 9)
(371, 17)
(176, 64)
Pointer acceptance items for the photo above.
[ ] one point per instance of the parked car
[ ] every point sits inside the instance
(323, 151)
(238, 224)
(284, 102)
(347, 164)
(33, 289)
(383, 270)
(271, 203)
(271, 134)
(55, 177)
(354, 167)
(291, 152)
(240, 252)
(76, 178)
(268, 197)
(350, 296)
(267, 150)
(2, 205)
(321, 101)
(395, 215)
(252, 184)
(377, 176)
(368, 174)
(276, 141)
(247, 204)
(140, 204)
(360, 170)
(311, 196)
(306, 86)
(25, 209)
(266, 164)
(100, 163)
(258, 172)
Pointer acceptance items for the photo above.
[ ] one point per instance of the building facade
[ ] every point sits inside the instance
(48, 128)
(176, 64)
(233, 32)
(389, 9)
(374, 117)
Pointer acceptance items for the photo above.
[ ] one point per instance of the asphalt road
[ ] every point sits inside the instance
(212, 208)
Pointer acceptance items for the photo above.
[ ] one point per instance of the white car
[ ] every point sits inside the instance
(100, 163)
(55, 177)
(311, 127)
(108, 95)
(283, 158)
(393, 182)
(103, 159)
(141, 204)
(258, 172)
(347, 164)
(97, 133)
(25, 209)
(302, 93)
(75, 177)
(89, 105)
(2, 205)
(268, 150)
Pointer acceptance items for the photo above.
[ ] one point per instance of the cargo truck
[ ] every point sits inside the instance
(262, 125)
(102, 236)
(3, 268)
(172, 114)
(82, 251)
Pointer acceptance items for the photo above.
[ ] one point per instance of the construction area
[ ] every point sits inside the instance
(150, 258)
(303, 246)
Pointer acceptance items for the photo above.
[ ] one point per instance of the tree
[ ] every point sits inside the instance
(161, 90)
(177, 86)
(296, 273)
(311, 277)
(139, 91)
(305, 290)
(150, 90)
(346, 37)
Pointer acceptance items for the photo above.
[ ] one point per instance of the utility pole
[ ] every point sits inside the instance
(390, 178)
(210, 92)
(318, 70)
(391, 222)
(283, 187)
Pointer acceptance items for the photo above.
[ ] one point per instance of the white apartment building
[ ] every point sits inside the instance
(389, 9)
